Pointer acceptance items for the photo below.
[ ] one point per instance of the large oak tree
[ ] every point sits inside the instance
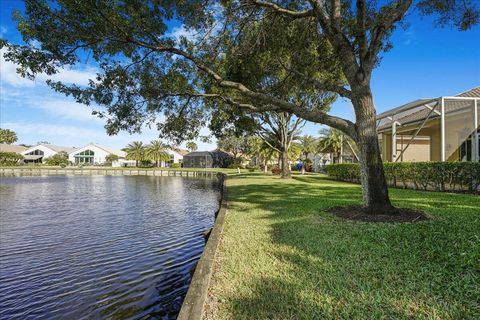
(145, 70)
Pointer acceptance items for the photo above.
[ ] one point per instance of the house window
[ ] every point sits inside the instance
(85, 157)
(36, 152)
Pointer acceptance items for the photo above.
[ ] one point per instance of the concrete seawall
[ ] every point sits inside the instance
(107, 172)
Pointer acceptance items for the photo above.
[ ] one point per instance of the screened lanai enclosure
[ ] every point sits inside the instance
(206, 159)
(436, 129)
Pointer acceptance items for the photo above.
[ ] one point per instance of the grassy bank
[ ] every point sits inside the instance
(283, 257)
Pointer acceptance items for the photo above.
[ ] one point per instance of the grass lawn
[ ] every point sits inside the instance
(283, 257)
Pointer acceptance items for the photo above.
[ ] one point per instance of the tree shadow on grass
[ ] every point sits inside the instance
(329, 268)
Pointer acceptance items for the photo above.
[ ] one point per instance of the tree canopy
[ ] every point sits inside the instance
(256, 55)
(8, 136)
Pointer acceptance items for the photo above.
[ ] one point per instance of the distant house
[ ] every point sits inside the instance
(206, 159)
(95, 154)
(40, 152)
(176, 156)
(12, 148)
(434, 129)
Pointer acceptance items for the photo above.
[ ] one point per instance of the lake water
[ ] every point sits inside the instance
(97, 247)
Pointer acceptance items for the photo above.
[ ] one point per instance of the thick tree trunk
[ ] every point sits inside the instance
(374, 184)
(284, 165)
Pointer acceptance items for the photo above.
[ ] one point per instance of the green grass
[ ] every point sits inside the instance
(283, 257)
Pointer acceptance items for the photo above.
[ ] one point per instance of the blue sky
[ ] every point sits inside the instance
(425, 62)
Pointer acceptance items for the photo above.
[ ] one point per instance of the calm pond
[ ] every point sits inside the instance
(97, 247)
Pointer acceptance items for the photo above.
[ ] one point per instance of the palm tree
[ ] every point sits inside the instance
(261, 150)
(157, 151)
(308, 145)
(192, 146)
(331, 140)
(135, 151)
(7, 136)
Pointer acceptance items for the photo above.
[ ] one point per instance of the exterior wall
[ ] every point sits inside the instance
(320, 160)
(123, 163)
(418, 150)
(175, 158)
(436, 144)
(47, 152)
(98, 157)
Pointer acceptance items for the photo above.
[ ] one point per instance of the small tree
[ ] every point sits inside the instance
(236, 145)
(110, 158)
(9, 158)
(135, 151)
(157, 152)
(308, 145)
(59, 159)
(7, 136)
(192, 146)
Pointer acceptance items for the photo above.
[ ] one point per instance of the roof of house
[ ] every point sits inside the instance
(207, 153)
(181, 152)
(53, 148)
(106, 149)
(472, 93)
(11, 148)
(420, 114)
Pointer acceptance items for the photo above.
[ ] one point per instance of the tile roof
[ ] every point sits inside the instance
(422, 113)
(11, 148)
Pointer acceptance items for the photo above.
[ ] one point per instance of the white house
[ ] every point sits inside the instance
(176, 156)
(95, 154)
(40, 152)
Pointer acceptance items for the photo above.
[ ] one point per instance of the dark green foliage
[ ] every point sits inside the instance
(9, 158)
(439, 176)
(7, 136)
(111, 158)
(59, 159)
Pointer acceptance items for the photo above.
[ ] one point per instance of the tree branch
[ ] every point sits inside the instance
(361, 30)
(286, 12)
(381, 29)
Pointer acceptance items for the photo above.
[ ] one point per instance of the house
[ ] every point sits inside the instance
(12, 148)
(176, 156)
(95, 154)
(40, 152)
(435, 129)
(207, 159)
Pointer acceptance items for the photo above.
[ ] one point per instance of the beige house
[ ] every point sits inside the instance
(12, 148)
(436, 129)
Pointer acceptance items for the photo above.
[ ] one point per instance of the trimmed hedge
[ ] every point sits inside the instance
(439, 176)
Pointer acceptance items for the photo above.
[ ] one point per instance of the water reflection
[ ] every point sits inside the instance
(100, 246)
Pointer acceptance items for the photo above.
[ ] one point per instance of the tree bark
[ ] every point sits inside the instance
(372, 176)
(284, 165)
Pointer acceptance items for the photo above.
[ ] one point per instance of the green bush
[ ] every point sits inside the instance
(438, 176)
(176, 165)
(9, 158)
(58, 159)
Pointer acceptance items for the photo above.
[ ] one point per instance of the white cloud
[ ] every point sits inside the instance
(409, 36)
(45, 129)
(3, 31)
(178, 32)
(9, 75)
(66, 110)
